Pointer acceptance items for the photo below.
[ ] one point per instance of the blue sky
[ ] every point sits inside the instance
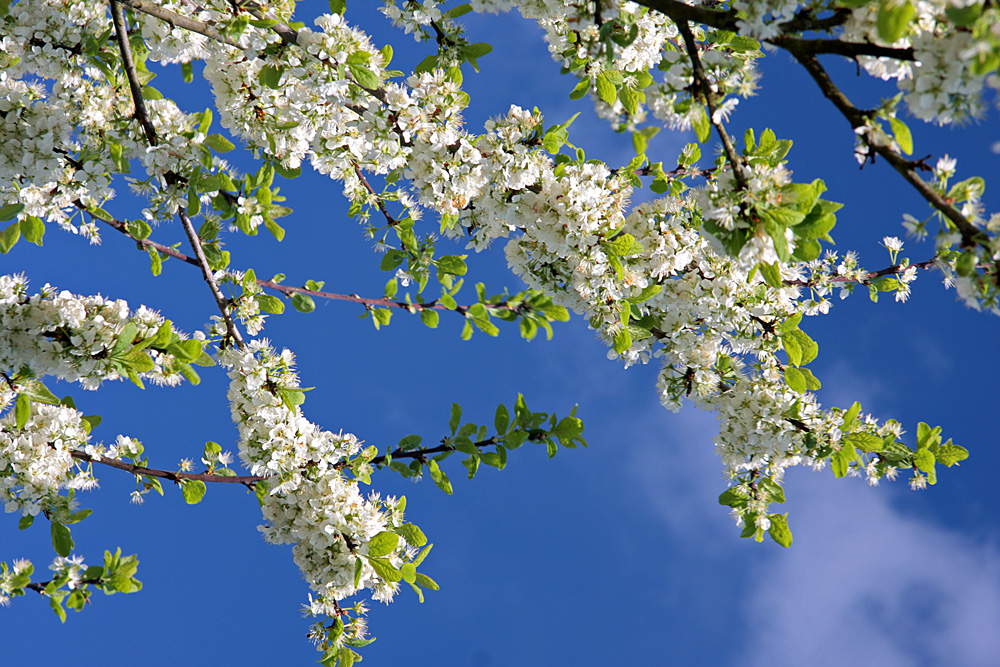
(617, 554)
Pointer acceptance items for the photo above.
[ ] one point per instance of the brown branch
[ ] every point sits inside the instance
(178, 20)
(727, 20)
(381, 205)
(176, 477)
(288, 290)
(702, 82)
(121, 32)
(866, 278)
(206, 271)
(906, 168)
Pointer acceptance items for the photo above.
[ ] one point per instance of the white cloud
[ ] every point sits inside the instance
(865, 584)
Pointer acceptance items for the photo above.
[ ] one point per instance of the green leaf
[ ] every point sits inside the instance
(771, 273)
(193, 491)
(385, 569)
(439, 477)
(893, 19)
(924, 460)
(364, 76)
(456, 417)
(605, 89)
(429, 317)
(32, 229)
(270, 304)
(866, 442)
(452, 264)
(270, 76)
(501, 419)
(303, 303)
(338, 6)
(383, 544)
(701, 124)
(412, 534)
(779, 530)
(809, 347)
(630, 99)
(622, 340)
(22, 411)
(25, 521)
(219, 143)
(950, 454)
(581, 89)
(9, 237)
(427, 582)
(62, 539)
(795, 379)
(10, 211)
(792, 349)
(851, 414)
(902, 134)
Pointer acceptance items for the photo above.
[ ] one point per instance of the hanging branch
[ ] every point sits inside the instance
(705, 86)
(178, 20)
(176, 477)
(906, 168)
(142, 115)
(289, 290)
(121, 33)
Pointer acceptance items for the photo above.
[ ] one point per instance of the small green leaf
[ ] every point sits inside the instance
(32, 229)
(950, 454)
(893, 19)
(439, 477)
(269, 304)
(303, 303)
(605, 89)
(364, 76)
(902, 134)
(383, 544)
(219, 143)
(193, 491)
(779, 530)
(385, 569)
(795, 379)
(701, 124)
(22, 411)
(62, 539)
(10, 211)
(502, 419)
(9, 237)
(429, 317)
(456, 417)
(412, 534)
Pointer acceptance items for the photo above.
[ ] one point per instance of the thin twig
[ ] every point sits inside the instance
(702, 82)
(206, 271)
(906, 168)
(179, 20)
(177, 477)
(121, 32)
(289, 290)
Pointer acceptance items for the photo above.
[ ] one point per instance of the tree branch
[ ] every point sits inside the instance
(176, 477)
(867, 278)
(179, 20)
(702, 82)
(121, 32)
(288, 290)
(206, 271)
(906, 168)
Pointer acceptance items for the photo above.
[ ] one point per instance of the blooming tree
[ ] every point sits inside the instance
(711, 276)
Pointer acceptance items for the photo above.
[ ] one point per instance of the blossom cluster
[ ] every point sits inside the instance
(36, 461)
(312, 504)
(71, 337)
